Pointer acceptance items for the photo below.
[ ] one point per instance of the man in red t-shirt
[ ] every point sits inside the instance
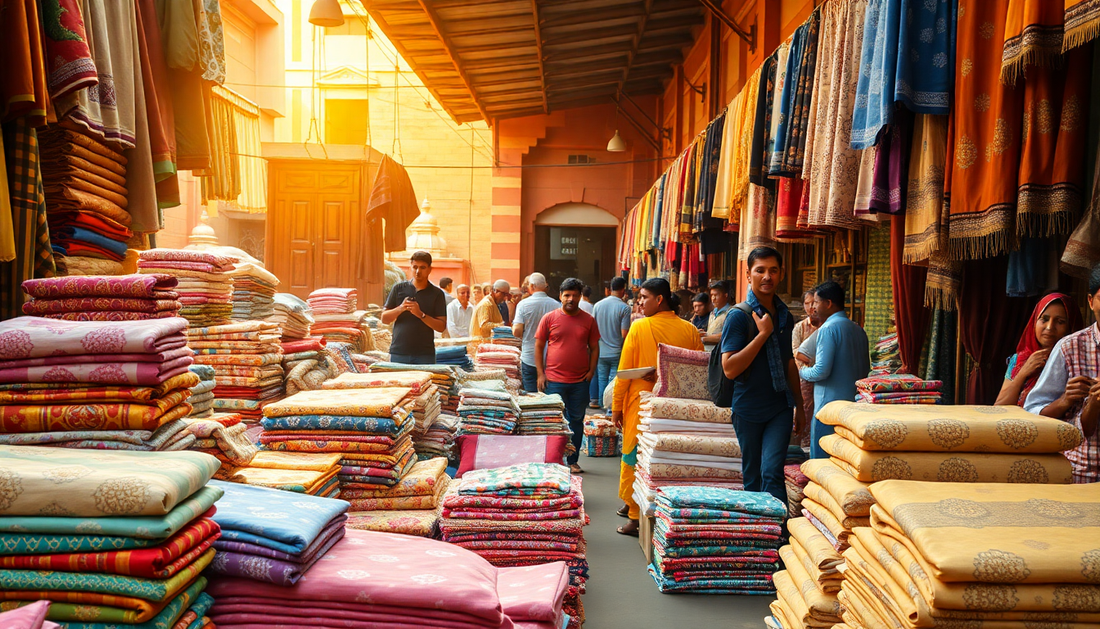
(567, 348)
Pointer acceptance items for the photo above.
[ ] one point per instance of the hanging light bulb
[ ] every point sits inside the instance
(616, 144)
(326, 13)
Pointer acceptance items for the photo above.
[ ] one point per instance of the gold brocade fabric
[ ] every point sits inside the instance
(817, 493)
(819, 550)
(819, 606)
(852, 495)
(317, 462)
(380, 402)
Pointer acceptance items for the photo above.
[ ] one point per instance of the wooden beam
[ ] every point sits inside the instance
(438, 28)
(585, 17)
(542, 59)
(716, 10)
(634, 45)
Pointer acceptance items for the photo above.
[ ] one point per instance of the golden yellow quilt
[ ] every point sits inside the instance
(852, 495)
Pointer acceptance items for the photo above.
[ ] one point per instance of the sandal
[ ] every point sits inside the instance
(623, 511)
(630, 529)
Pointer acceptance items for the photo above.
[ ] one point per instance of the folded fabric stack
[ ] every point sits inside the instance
(222, 436)
(411, 507)
(807, 587)
(710, 540)
(202, 394)
(306, 363)
(369, 430)
(205, 285)
(439, 439)
(292, 314)
(91, 384)
(86, 195)
(333, 300)
(601, 437)
(455, 355)
(111, 539)
(796, 487)
(308, 473)
(372, 579)
(498, 356)
(684, 442)
(975, 555)
(247, 360)
(253, 292)
(834, 501)
(336, 316)
(502, 335)
(541, 414)
(898, 388)
(444, 377)
(296, 532)
(885, 356)
(103, 298)
(486, 412)
(522, 515)
(425, 400)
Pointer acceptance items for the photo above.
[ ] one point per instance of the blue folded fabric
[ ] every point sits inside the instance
(73, 232)
(283, 520)
(690, 497)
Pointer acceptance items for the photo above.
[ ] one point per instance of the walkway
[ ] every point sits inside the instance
(621, 594)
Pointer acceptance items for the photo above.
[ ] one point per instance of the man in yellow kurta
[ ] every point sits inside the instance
(660, 325)
(487, 314)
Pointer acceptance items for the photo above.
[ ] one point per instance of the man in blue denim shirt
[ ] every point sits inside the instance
(840, 358)
(757, 356)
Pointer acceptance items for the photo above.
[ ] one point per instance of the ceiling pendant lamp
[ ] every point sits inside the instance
(616, 144)
(326, 13)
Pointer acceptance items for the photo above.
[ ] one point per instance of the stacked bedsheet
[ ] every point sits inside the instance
(486, 412)
(86, 195)
(411, 507)
(542, 414)
(202, 394)
(337, 319)
(111, 539)
(308, 473)
(711, 540)
(898, 388)
(498, 356)
(296, 533)
(984, 554)
(455, 355)
(521, 515)
(253, 291)
(502, 335)
(807, 587)
(834, 501)
(292, 314)
(223, 436)
(372, 579)
(205, 285)
(94, 384)
(369, 430)
(103, 298)
(684, 442)
(307, 364)
(247, 360)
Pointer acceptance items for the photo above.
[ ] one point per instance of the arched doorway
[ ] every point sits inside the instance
(576, 240)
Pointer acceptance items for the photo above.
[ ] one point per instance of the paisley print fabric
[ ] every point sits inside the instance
(380, 402)
(694, 410)
(35, 337)
(284, 521)
(138, 286)
(155, 590)
(419, 523)
(417, 381)
(518, 480)
(681, 373)
(44, 307)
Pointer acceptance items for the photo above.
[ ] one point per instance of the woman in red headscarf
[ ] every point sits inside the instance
(1055, 316)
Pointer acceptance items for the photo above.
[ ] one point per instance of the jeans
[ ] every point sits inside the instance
(575, 396)
(593, 390)
(606, 369)
(413, 359)
(817, 431)
(763, 452)
(530, 377)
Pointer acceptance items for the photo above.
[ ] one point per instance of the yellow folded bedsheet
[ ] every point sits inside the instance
(946, 467)
(380, 402)
(828, 581)
(314, 461)
(817, 606)
(935, 428)
(851, 494)
(816, 546)
(817, 493)
(793, 608)
(995, 533)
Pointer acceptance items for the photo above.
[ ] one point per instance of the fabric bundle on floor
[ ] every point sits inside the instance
(202, 394)
(521, 515)
(806, 589)
(86, 195)
(247, 360)
(367, 429)
(711, 540)
(105, 546)
(292, 314)
(253, 292)
(297, 531)
(205, 284)
(1001, 444)
(103, 298)
(684, 442)
(373, 579)
(498, 356)
(975, 555)
(898, 389)
(95, 385)
(411, 507)
(542, 414)
(486, 412)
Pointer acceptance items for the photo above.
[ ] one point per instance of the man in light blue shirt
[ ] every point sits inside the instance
(840, 358)
(613, 319)
(529, 313)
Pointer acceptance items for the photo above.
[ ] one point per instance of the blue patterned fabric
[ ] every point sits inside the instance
(874, 107)
(696, 497)
(926, 55)
(15, 544)
(164, 620)
(201, 606)
(155, 527)
(282, 520)
(345, 423)
(761, 585)
(658, 209)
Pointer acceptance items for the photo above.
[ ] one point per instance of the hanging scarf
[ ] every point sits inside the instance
(762, 122)
(740, 131)
(757, 222)
(708, 173)
(773, 147)
(68, 59)
(874, 104)
(1033, 268)
(658, 201)
(1052, 158)
(925, 224)
(1033, 36)
(776, 366)
(1082, 23)
(865, 183)
(890, 177)
(723, 184)
(1083, 248)
(687, 205)
(1029, 343)
(926, 55)
(788, 197)
(798, 93)
(984, 151)
(942, 284)
(834, 170)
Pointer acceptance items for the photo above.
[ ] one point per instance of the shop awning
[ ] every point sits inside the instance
(494, 59)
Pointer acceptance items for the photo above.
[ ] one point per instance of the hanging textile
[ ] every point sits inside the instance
(211, 42)
(926, 55)
(141, 181)
(757, 222)
(223, 180)
(23, 89)
(1083, 248)
(68, 59)
(1082, 22)
(788, 198)
(891, 177)
(797, 96)
(708, 173)
(1052, 158)
(984, 151)
(687, 204)
(990, 323)
(909, 311)
(723, 185)
(925, 222)
(861, 207)
(778, 112)
(938, 359)
(879, 309)
(874, 101)
(7, 229)
(179, 29)
(733, 167)
(1033, 268)
(834, 165)
(762, 122)
(1033, 37)
(392, 198)
(33, 257)
(944, 280)
(158, 103)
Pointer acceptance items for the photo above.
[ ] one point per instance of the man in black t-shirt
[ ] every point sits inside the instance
(417, 309)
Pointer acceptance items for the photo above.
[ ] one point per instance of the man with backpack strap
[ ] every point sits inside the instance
(760, 376)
